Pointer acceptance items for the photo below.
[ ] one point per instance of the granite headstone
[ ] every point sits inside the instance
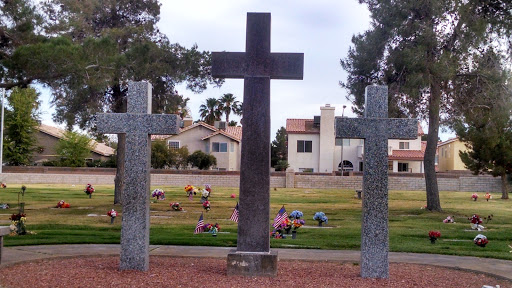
(256, 66)
(375, 128)
(138, 124)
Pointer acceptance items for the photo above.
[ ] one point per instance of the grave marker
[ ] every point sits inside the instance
(256, 66)
(375, 128)
(138, 124)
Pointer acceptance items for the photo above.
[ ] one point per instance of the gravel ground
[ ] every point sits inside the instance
(208, 272)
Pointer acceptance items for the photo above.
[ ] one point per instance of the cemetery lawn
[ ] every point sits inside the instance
(86, 220)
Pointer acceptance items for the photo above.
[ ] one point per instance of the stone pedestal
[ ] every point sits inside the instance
(252, 263)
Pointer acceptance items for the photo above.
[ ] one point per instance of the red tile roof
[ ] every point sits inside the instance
(301, 126)
(233, 132)
(406, 155)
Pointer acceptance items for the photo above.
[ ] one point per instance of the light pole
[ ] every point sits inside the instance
(342, 115)
(2, 132)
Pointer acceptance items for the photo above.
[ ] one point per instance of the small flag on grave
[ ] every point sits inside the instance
(281, 215)
(200, 225)
(234, 215)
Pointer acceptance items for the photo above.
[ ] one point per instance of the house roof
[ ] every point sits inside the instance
(301, 126)
(233, 132)
(305, 126)
(448, 141)
(406, 155)
(56, 132)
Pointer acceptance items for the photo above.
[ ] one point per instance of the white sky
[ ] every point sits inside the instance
(320, 29)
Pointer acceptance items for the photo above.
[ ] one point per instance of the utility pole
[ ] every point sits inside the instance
(342, 166)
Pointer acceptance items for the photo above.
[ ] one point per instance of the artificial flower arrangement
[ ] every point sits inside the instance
(449, 219)
(18, 224)
(159, 194)
(297, 223)
(320, 217)
(480, 240)
(475, 222)
(205, 193)
(212, 228)
(3, 185)
(285, 225)
(433, 235)
(233, 196)
(89, 190)
(276, 234)
(190, 189)
(488, 196)
(208, 188)
(296, 214)
(112, 214)
(176, 206)
(62, 204)
(474, 196)
(206, 205)
(4, 206)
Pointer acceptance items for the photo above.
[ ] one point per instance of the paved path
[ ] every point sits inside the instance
(17, 254)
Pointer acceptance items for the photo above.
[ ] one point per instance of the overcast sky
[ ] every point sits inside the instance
(320, 29)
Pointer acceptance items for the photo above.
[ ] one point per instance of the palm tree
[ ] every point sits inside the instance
(183, 109)
(209, 111)
(229, 104)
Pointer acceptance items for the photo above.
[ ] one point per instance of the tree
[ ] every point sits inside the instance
(228, 104)
(209, 111)
(483, 122)
(418, 49)
(232, 123)
(160, 154)
(119, 41)
(279, 147)
(21, 121)
(73, 149)
(202, 160)
(180, 157)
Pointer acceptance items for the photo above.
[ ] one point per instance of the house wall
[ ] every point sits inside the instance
(326, 140)
(457, 162)
(298, 161)
(192, 139)
(413, 144)
(223, 158)
(449, 159)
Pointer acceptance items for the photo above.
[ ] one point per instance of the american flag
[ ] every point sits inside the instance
(234, 215)
(200, 225)
(281, 215)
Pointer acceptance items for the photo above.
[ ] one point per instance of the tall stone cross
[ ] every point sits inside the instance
(256, 66)
(138, 124)
(375, 128)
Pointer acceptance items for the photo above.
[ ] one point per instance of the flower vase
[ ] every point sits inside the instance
(474, 199)
(294, 234)
(90, 195)
(320, 223)
(112, 220)
(433, 240)
(287, 230)
(203, 199)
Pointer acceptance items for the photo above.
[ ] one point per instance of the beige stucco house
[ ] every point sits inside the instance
(47, 138)
(223, 143)
(449, 159)
(313, 147)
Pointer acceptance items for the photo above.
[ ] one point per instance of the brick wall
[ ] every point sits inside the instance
(77, 176)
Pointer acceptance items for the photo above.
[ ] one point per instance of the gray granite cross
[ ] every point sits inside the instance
(376, 129)
(138, 124)
(256, 66)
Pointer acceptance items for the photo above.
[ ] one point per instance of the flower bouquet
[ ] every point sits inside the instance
(18, 224)
(3, 185)
(89, 190)
(112, 214)
(449, 219)
(474, 196)
(480, 240)
(176, 206)
(296, 214)
(433, 235)
(62, 204)
(488, 196)
(475, 222)
(204, 195)
(206, 205)
(208, 188)
(276, 234)
(320, 217)
(213, 229)
(159, 194)
(285, 225)
(297, 223)
(4, 206)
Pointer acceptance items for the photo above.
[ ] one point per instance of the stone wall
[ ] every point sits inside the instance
(98, 176)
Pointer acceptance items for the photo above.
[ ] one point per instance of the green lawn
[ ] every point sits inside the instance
(409, 224)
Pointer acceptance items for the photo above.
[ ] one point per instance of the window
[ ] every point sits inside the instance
(403, 167)
(360, 166)
(232, 147)
(338, 141)
(304, 146)
(361, 141)
(390, 165)
(346, 142)
(308, 170)
(219, 147)
(403, 145)
(173, 144)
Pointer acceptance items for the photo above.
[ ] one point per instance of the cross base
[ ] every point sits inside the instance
(252, 263)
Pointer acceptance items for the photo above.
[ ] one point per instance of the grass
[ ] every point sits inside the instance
(408, 224)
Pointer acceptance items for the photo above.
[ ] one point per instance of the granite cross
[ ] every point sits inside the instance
(256, 66)
(376, 129)
(137, 124)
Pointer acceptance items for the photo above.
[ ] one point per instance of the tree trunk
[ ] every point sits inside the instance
(433, 203)
(119, 179)
(504, 186)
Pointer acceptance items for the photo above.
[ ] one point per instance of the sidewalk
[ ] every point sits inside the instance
(499, 268)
